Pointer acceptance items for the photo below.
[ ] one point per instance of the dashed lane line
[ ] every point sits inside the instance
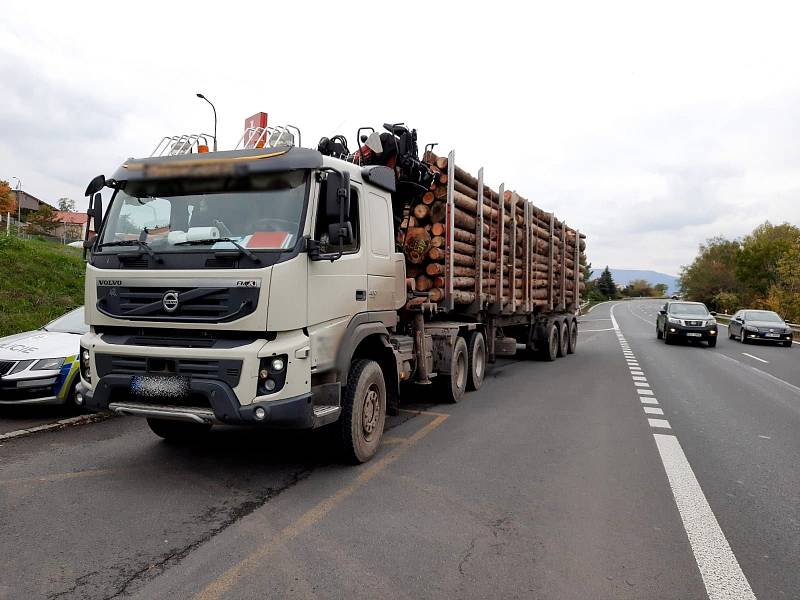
(721, 573)
(755, 358)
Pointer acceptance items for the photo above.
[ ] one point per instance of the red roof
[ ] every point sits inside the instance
(71, 217)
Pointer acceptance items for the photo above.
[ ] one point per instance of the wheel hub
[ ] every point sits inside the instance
(370, 414)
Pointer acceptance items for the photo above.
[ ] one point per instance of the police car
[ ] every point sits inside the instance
(41, 367)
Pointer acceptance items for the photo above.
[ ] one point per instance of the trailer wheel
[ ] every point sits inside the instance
(363, 411)
(178, 431)
(573, 336)
(548, 350)
(563, 338)
(476, 353)
(454, 382)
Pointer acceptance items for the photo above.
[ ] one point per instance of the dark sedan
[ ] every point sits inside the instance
(759, 325)
(687, 321)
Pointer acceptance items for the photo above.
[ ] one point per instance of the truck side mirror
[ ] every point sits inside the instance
(662, 312)
(95, 185)
(95, 217)
(341, 232)
(713, 313)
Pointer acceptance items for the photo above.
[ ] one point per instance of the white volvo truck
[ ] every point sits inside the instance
(263, 287)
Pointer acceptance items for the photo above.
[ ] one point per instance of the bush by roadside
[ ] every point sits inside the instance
(39, 281)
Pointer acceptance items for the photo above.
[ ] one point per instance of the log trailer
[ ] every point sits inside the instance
(278, 286)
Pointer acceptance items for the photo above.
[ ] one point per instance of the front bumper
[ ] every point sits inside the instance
(218, 404)
(691, 333)
(31, 387)
(765, 336)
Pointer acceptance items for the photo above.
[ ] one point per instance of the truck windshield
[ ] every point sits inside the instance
(258, 212)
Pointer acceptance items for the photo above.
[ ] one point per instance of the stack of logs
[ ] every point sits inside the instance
(423, 237)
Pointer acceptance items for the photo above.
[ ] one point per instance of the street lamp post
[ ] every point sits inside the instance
(19, 203)
(215, 118)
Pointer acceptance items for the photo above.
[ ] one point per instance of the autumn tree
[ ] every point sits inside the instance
(757, 264)
(783, 296)
(8, 201)
(712, 272)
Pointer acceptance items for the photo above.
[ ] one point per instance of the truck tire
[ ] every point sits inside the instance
(178, 431)
(563, 339)
(573, 336)
(454, 383)
(548, 349)
(476, 353)
(659, 335)
(363, 411)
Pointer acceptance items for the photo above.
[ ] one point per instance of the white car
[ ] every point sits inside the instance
(41, 367)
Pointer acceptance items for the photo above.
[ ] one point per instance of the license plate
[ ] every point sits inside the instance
(694, 335)
(773, 335)
(156, 386)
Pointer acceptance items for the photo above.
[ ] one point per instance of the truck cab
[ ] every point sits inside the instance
(243, 287)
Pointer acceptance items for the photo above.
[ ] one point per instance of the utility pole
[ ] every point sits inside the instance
(199, 95)
(19, 203)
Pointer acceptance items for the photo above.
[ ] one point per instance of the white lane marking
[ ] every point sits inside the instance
(718, 566)
(591, 308)
(644, 400)
(593, 330)
(642, 392)
(638, 317)
(613, 320)
(663, 423)
(756, 358)
(652, 410)
(641, 384)
(587, 320)
(639, 378)
(765, 437)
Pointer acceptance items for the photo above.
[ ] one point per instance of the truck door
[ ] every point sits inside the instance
(336, 290)
(382, 261)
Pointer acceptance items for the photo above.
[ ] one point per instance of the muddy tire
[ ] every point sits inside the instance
(453, 384)
(363, 412)
(548, 350)
(573, 337)
(476, 354)
(178, 431)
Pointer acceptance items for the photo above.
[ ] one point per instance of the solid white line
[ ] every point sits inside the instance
(718, 566)
(587, 320)
(644, 400)
(788, 385)
(663, 423)
(613, 320)
(642, 392)
(652, 410)
(756, 358)
(593, 330)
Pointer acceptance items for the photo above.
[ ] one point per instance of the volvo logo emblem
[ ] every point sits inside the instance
(170, 301)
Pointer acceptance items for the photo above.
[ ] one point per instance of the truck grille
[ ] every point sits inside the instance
(201, 304)
(228, 371)
(694, 323)
(6, 366)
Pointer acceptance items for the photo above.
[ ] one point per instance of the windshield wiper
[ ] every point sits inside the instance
(140, 243)
(239, 247)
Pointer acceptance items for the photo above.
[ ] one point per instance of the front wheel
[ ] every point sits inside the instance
(659, 335)
(787, 344)
(178, 431)
(363, 411)
(712, 342)
(742, 337)
(476, 352)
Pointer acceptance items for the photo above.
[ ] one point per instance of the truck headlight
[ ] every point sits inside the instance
(711, 322)
(272, 374)
(674, 321)
(85, 365)
(48, 364)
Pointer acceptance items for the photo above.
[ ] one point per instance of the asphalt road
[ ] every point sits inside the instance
(550, 482)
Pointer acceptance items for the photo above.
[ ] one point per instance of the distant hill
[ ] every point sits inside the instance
(624, 276)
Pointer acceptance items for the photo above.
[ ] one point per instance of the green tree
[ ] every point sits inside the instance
(784, 295)
(757, 264)
(637, 288)
(660, 289)
(43, 221)
(713, 271)
(606, 285)
(66, 205)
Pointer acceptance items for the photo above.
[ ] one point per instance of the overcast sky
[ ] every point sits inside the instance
(650, 128)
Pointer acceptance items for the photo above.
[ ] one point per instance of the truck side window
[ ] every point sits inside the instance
(321, 227)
